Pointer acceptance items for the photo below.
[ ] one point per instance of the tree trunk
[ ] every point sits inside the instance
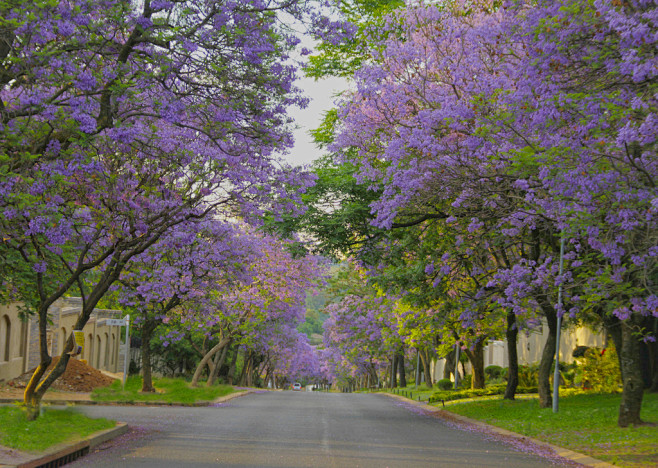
(425, 361)
(219, 364)
(253, 379)
(372, 372)
(148, 327)
(449, 367)
(394, 371)
(230, 377)
(476, 357)
(547, 357)
(245, 367)
(512, 334)
(402, 370)
(650, 325)
(631, 398)
(199, 368)
(32, 397)
(36, 388)
(269, 378)
(653, 359)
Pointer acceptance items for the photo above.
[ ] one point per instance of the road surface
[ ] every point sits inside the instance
(298, 429)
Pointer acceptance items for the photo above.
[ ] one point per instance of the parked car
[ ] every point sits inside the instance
(297, 387)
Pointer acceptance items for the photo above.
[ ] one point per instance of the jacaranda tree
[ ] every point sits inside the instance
(535, 121)
(119, 120)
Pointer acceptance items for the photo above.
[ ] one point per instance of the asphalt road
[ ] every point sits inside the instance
(299, 429)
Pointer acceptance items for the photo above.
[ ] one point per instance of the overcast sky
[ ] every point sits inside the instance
(322, 95)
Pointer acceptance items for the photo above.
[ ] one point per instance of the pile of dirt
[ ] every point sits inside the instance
(78, 377)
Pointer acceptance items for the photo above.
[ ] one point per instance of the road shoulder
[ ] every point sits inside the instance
(559, 451)
(68, 451)
(11, 458)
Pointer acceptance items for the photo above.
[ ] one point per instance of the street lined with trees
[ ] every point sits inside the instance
(484, 145)
(491, 171)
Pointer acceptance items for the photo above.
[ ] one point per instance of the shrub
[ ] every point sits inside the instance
(493, 372)
(444, 384)
(477, 392)
(600, 370)
(568, 374)
(528, 375)
(465, 382)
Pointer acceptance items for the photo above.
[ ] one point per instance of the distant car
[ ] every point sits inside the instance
(297, 387)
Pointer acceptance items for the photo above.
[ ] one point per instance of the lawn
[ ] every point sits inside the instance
(585, 423)
(173, 391)
(51, 428)
(414, 393)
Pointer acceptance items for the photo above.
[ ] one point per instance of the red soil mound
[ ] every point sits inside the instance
(78, 377)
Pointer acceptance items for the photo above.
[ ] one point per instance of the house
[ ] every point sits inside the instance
(530, 346)
(19, 339)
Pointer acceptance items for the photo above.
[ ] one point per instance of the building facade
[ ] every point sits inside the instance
(19, 338)
(530, 346)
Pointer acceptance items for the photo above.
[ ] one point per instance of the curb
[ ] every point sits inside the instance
(230, 396)
(56, 401)
(69, 452)
(64, 401)
(576, 457)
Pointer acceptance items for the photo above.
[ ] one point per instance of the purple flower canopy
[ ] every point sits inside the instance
(515, 120)
(494, 133)
(120, 122)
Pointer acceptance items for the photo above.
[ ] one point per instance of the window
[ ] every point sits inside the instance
(98, 351)
(62, 340)
(23, 339)
(113, 349)
(90, 348)
(5, 337)
(107, 351)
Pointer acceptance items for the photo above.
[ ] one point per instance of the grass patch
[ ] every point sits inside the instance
(168, 391)
(464, 393)
(422, 393)
(53, 427)
(586, 423)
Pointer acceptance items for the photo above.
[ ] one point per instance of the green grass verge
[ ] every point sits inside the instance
(168, 391)
(53, 427)
(585, 423)
(411, 392)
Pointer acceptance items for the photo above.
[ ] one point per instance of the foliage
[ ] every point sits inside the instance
(494, 372)
(441, 130)
(445, 384)
(528, 375)
(55, 426)
(498, 389)
(599, 370)
(120, 121)
(343, 58)
(175, 359)
(360, 334)
(585, 423)
(313, 323)
(168, 390)
(314, 318)
(466, 381)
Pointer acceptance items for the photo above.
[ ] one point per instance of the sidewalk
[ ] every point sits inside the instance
(80, 398)
(575, 457)
(10, 458)
(66, 452)
(8, 395)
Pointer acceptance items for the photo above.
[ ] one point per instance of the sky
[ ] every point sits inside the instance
(322, 95)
